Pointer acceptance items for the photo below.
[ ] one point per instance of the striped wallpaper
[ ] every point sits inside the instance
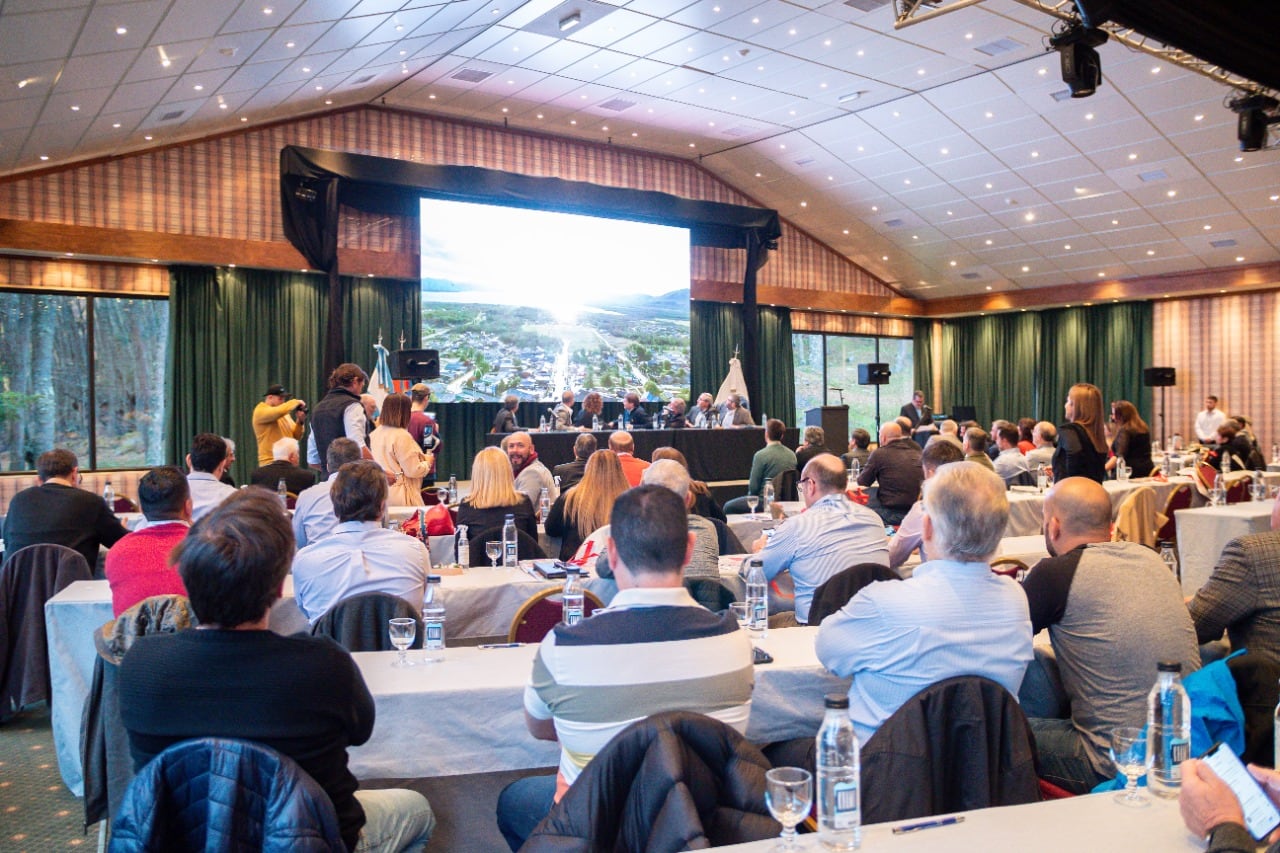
(84, 276)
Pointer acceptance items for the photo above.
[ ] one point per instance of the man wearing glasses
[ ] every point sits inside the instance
(832, 534)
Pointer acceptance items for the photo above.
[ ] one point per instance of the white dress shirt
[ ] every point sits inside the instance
(313, 517)
(207, 491)
(357, 557)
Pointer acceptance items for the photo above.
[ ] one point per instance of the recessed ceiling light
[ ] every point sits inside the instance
(288, 44)
(267, 10)
(1171, 193)
(1115, 222)
(70, 254)
(223, 106)
(988, 185)
(1029, 216)
(875, 208)
(906, 182)
(1155, 69)
(120, 31)
(75, 108)
(1066, 247)
(990, 114)
(1239, 159)
(306, 70)
(915, 236)
(44, 156)
(846, 231)
(1239, 257)
(164, 63)
(116, 125)
(1035, 154)
(1199, 117)
(1026, 269)
(1102, 275)
(953, 263)
(244, 118)
(949, 213)
(1088, 116)
(920, 72)
(319, 88)
(328, 102)
(988, 287)
(198, 87)
(988, 242)
(804, 204)
(1041, 71)
(1208, 228)
(147, 138)
(1133, 156)
(1151, 251)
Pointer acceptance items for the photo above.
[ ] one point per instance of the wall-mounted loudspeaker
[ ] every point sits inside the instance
(415, 364)
(1159, 377)
(875, 373)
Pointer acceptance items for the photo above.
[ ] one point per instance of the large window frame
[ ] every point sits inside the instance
(91, 366)
(889, 403)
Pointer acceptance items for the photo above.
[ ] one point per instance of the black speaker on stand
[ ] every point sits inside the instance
(877, 374)
(1162, 378)
(415, 364)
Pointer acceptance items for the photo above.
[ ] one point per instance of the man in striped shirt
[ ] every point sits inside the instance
(653, 649)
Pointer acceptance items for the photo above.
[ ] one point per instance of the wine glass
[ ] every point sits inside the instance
(493, 550)
(1129, 752)
(788, 793)
(402, 630)
(739, 610)
(752, 502)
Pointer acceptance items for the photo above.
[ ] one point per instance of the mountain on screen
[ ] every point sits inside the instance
(673, 305)
(442, 285)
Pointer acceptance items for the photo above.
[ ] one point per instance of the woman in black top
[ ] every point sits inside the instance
(1082, 446)
(494, 496)
(1133, 439)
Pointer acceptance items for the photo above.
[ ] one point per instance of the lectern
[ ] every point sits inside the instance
(834, 421)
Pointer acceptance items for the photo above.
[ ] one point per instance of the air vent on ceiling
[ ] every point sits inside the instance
(971, 276)
(999, 46)
(1156, 175)
(365, 79)
(894, 223)
(866, 5)
(737, 131)
(472, 75)
(172, 115)
(617, 104)
(1226, 243)
(805, 161)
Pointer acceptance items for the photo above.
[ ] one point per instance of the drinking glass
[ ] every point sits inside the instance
(752, 503)
(1258, 491)
(402, 630)
(1217, 495)
(1129, 752)
(739, 611)
(493, 550)
(788, 793)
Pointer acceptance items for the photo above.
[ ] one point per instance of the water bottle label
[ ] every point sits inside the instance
(435, 634)
(760, 612)
(1179, 750)
(845, 802)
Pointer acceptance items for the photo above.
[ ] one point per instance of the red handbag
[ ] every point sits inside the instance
(439, 522)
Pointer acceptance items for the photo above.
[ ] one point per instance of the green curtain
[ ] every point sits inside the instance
(715, 329)
(990, 363)
(922, 352)
(1106, 345)
(233, 332)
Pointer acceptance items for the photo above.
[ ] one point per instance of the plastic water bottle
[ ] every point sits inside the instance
(544, 504)
(510, 544)
(595, 423)
(1169, 557)
(766, 497)
(433, 621)
(1168, 731)
(757, 598)
(1226, 461)
(542, 424)
(282, 492)
(556, 480)
(109, 496)
(1277, 735)
(839, 777)
(453, 488)
(572, 598)
(1042, 478)
(463, 554)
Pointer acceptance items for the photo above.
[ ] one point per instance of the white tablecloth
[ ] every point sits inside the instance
(1204, 531)
(1026, 508)
(1090, 823)
(466, 715)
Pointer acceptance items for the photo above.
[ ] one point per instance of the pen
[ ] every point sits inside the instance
(501, 645)
(927, 824)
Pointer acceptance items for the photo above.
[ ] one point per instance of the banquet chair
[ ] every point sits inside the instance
(223, 794)
(290, 500)
(1009, 567)
(784, 485)
(359, 623)
(1022, 478)
(1179, 498)
(123, 504)
(1136, 519)
(527, 548)
(838, 590)
(1237, 486)
(30, 577)
(542, 611)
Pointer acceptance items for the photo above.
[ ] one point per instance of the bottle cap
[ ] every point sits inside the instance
(433, 579)
(836, 700)
(1169, 666)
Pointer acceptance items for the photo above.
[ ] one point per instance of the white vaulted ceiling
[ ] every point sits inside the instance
(942, 157)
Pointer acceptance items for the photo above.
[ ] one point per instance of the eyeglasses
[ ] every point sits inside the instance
(804, 480)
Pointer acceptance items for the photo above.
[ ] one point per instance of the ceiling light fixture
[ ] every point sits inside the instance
(849, 97)
(1081, 67)
(568, 22)
(1253, 114)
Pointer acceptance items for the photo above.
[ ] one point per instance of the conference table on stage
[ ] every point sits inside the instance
(714, 455)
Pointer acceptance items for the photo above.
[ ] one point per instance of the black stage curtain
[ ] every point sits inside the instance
(715, 330)
(233, 332)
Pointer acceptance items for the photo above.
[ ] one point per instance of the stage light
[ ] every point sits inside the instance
(1081, 66)
(1252, 119)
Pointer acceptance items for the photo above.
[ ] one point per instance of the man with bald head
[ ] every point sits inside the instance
(895, 465)
(531, 475)
(624, 445)
(1044, 436)
(832, 534)
(1113, 611)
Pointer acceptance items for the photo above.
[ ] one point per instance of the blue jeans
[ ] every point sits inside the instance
(395, 819)
(1064, 761)
(522, 805)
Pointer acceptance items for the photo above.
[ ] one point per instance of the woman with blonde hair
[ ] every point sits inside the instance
(1132, 441)
(493, 496)
(1082, 444)
(585, 508)
(395, 450)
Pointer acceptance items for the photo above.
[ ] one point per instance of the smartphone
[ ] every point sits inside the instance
(759, 655)
(1260, 814)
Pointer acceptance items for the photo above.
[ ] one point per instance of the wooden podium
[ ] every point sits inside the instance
(834, 421)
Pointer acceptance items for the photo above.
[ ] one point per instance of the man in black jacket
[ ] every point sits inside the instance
(571, 472)
(339, 413)
(285, 467)
(57, 512)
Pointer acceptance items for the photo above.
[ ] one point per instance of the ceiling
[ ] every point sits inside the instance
(943, 157)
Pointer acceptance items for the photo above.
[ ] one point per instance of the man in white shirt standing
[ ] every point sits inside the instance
(1208, 421)
(359, 555)
(207, 461)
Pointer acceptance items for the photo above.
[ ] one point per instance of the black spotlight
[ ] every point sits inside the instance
(1252, 120)
(1081, 67)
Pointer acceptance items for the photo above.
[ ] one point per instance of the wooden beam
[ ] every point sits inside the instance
(810, 300)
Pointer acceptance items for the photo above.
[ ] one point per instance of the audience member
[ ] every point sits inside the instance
(633, 414)
(339, 413)
(206, 462)
(562, 414)
(948, 431)
(1208, 420)
(571, 472)
(398, 454)
(531, 476)
(1009, 462)
(832, 534)
(592, 408)
(1025, 441)
(58, 512)
(895, 465)
(815, 442)
(274, 419)
(954, 616)
(1211, 810)
(1044, 436)
(302, 696)
(359, 555)
(1082, 446)
(735, 413)
(1132, 441)
(505, 420)
(313, 517)
(767, 463)
(423, 427)
(1242, 596)
(859, 448)
(704, 503)
(652, 649)
(493, 497)
(624, 445)
(1113, 611)
(226, 479)
(975, 447)
(285, 467)
(904, 543)
(1233, 443)
(580, 511)
(140, 565)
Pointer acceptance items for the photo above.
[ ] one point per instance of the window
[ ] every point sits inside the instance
(827, 362)
(104, 402)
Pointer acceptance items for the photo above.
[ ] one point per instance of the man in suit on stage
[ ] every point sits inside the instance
(920, 415)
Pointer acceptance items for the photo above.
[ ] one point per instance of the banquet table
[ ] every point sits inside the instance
(1026, 504)
(1204, 531)
(466, 714)
(1091, 822)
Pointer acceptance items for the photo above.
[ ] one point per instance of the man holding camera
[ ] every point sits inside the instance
(277, 417)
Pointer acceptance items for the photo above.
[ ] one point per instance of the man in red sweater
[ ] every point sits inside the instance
(138, 566)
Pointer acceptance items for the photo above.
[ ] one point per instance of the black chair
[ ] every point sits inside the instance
(527, 548)
(839, 589)
(1022, 478)
(219, 794)
(784, 485)
(726, 539)
(359, 623)
(1256, 678)
(711, 594)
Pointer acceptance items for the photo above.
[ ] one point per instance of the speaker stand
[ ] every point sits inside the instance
(1163, 390)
